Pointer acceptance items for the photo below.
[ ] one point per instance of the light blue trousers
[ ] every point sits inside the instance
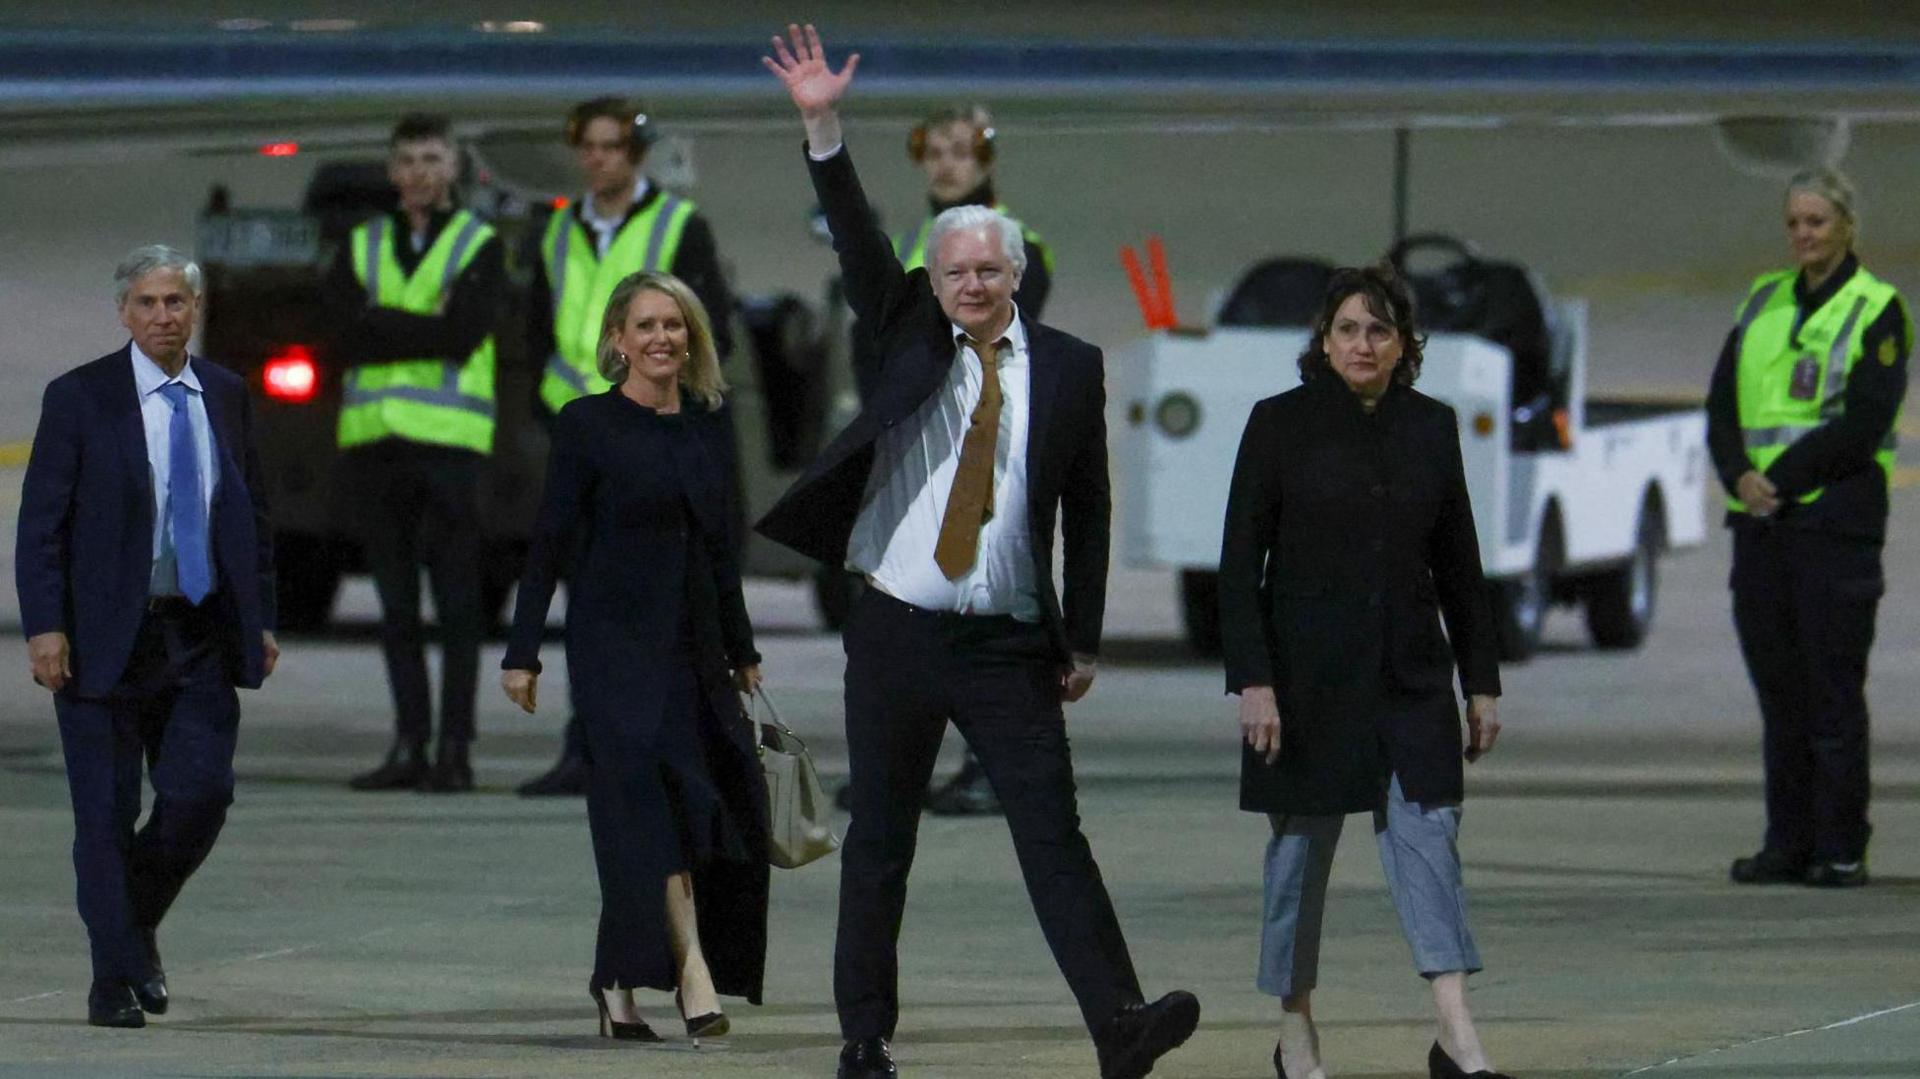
(1418, 851)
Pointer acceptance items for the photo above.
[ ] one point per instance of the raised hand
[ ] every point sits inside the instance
(814, 87)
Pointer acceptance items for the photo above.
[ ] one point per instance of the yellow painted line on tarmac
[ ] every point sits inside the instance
(14, 454)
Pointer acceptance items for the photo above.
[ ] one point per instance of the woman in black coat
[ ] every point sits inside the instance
(1348, 534)
(639, 508)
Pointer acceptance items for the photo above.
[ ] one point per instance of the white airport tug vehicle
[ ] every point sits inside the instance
(1575, 498)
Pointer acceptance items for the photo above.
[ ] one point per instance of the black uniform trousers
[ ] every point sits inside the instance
(909, 671)
(1803, 604)
(175, 710)
(415, 505)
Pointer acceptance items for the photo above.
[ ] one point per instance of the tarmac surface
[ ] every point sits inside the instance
(336, 934)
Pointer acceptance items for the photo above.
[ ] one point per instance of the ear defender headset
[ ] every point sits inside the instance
(640, 134)
(975, 116)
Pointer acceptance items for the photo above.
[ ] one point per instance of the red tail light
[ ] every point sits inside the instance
(290, 375)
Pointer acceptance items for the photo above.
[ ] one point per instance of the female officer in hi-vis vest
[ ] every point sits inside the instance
(1800, 423)
(412, 297)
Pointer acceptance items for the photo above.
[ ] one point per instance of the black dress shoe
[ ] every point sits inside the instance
(404, 768)
(1837, 874)
(1441, 1066)
(868, 1058)
(110, 1003)
(1140, 1034)
(613, 1028)
(1768, 867)
(968, 794)
(452, 771)
(152, 993)
(566, 779)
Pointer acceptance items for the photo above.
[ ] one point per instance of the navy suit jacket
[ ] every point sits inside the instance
(1066, 429)
(84, 559)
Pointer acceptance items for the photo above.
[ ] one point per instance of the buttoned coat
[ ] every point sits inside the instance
(1348, 536)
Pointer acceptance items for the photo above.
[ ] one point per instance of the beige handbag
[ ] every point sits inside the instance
(798, 831)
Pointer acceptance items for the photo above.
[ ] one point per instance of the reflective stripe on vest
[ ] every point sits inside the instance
(911, 249)
(429, 400)
(582, 281)
(1791, 382)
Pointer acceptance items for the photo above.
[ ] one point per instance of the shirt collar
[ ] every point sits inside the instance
(593, 219)
(1015, 336)
(148, 376)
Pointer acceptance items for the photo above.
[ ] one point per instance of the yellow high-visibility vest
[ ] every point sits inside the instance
(1788, 387)
(442, 402)
(582, 281)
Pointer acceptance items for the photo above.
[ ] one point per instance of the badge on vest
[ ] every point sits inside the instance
(1888, 352)
(1806, 378)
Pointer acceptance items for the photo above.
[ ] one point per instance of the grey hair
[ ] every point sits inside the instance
(966, 218)
(1829, 184)
(142, 261)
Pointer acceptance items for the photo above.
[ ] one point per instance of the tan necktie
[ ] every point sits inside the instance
(971, 501)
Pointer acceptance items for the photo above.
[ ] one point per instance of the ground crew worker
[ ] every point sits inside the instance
(956, 149)
(1800, 422)
(621, 224)
(413, 295)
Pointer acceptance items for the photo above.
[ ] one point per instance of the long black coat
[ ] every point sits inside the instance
(1347, 533)
(1066, 430)
(638, 506)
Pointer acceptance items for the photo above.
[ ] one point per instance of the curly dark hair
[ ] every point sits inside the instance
(1388, 298)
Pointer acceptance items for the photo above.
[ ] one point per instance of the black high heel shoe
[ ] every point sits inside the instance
(1441, 1066)
(1279, 1069)
(710, 1025)
(613, 1028)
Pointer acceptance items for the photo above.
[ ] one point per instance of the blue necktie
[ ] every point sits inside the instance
(186, 511)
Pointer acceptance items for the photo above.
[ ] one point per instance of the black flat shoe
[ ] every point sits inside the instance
(1768, 867)
(868, 1058)
(404, 768)
(1441, 1066)
(1837, 874)
(968, 794)
(110, 1003)
(613, 1028)
(566, 779)
(452, 771)
(1140, 1034)
(152, 993)
(710, 1025)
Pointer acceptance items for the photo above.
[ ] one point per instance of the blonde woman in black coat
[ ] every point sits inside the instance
(1348, 536)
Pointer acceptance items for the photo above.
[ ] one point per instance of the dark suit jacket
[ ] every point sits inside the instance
(84, 558)
(1347, 534)
(1067, 427)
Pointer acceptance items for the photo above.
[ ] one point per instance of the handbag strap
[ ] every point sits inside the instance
(773, 716)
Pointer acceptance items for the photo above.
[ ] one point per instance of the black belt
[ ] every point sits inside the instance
(177, 606)
(950, 618)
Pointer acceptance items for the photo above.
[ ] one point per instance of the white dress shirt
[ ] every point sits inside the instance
(906, 497)
(604, 229)
(156, 415)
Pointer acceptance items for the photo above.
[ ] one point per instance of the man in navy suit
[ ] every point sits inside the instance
(985, 428)
(145, 573)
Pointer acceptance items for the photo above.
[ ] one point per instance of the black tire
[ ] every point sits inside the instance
(1200, 609)
(1523, 603)
(1621, 602)
(306, 578)
(833, 592)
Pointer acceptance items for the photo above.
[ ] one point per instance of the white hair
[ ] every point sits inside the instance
(967, 218)
(142, 261)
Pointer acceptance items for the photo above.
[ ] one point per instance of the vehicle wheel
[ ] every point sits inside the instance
(833, 592)
(1523, 602)
(306, 577)
(1200, 609)
(1620, 603)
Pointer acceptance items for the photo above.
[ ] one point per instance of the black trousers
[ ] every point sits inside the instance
(175, 710)
(417, 505)
(909, 671)
(1804, 605)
